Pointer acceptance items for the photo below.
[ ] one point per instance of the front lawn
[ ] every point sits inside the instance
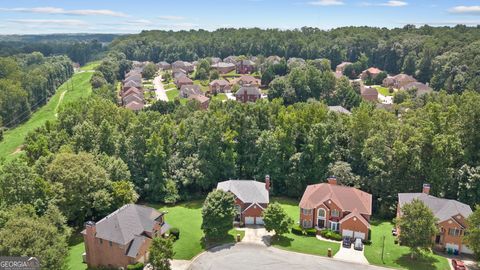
(397, 256)
(187, 217)
(75, 251)
(172, 94)
(383, 90)
(220, 97)
(297, 243)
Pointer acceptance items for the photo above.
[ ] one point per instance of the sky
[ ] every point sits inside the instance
(133, 16)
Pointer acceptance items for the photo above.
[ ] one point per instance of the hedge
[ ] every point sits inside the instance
(137, 266)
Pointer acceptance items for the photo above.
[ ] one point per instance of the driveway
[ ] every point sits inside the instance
(159, 90)
(256, 235)
(252, 256)
(351, 255)
(230, 96)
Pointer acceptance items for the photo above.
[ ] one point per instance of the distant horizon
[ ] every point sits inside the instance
(29, 17)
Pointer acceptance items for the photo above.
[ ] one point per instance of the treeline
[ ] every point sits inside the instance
(444, 56)
(26, 83)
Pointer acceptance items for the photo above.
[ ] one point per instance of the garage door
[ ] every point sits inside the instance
(359, 235)
(347, 233)
(249, 220)
(259, 220)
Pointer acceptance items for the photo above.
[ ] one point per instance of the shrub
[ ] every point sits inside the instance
(329, 234)
(311, 232)
(175, 232)
(137, 266)
(296, 229)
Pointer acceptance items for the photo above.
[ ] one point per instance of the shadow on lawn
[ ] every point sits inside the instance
(75, 239)
(419, 262)
(281, 240)
(211, 243)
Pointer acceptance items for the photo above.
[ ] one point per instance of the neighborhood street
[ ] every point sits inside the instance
(253, 256)
(159, 90)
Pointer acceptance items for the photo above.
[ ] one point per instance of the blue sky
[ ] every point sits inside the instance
(132, 16)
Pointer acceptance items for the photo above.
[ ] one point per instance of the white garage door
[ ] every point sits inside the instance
(359, 235)
(259, 220)
(347, 233)
(249, 220)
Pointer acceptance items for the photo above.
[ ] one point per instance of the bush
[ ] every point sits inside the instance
(175, 232)
(329, 234)
(296, 229)
(137, 266)
(311, 232)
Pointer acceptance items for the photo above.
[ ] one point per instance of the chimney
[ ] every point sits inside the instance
(90, 228)
(426, 188)
(332, 180)
(267, 182)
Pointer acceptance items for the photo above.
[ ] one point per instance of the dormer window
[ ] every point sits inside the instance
(335, 213)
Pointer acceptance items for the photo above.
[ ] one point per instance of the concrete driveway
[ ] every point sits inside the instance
(351, 255)
(259, 257)
(159, 90)
(256, 235)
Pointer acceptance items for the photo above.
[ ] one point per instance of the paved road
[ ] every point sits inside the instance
(159, 90)
(258, 257)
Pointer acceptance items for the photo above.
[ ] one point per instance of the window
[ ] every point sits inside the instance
(101, 241)
(307, 224)
(321, 218)
(335, 213)
(454, 232)
(307, 212)
(321, 213)
(110, 243)
(334, 226)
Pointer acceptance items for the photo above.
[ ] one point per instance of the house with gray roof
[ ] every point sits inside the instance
(451, 219)
(189, 90)
(248, 93)
(251, 198)
(123, 237)
(339, 109)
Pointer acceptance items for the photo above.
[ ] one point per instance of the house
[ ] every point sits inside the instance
(178, 72)
(132, 72)
(273, 59)
(371, 72)
(135, 77)
(346, 210)
(219, 86)
(191, 89)
(398, 81)
(131, 98)
(421, 88)
(245, 80)
(339, 109)
(341, 67)
(164, 65)
(134, 106)
(251, 198)
(248, 93)
(245, 67)
(188, 67)
(123, 237)
(130, 84)
(451, 215)
(223, 67)
(296, 62)
(203, 100)
(215, 60)
(130, 91)
(181, 81)
(231, 59)
(369, 93)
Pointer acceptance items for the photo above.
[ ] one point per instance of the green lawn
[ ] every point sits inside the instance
(398, 256)
(76, 249)
(203, 85)
(172, 94)
(303, 244)
(220, 97)
(91, 65)
(78, 86)
(383, 90)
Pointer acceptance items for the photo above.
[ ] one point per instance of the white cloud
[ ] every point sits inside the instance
(326, 3)
(473, 10)
(171, 18)
(35, 22)
(61, 11)
(392, 3)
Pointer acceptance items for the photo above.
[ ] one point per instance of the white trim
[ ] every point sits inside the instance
(252, 205)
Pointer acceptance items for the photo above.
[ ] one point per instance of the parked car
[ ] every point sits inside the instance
(347, 242)
(458, 265)
(358, 245)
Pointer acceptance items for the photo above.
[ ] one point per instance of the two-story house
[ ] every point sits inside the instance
(343, 209)
(219, 86)
(248, 93)
(451, 215)
(251, 198)
(123, 237)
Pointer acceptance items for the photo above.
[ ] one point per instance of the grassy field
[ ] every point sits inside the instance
(90, 65)
(78, 86)
(303, 244)
(383, 90)
(172, 94)
(398, 256)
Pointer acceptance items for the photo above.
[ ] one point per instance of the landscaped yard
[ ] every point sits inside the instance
(397, 256)
(297, 243)
(172, 94)
(220, 97)
(90, 66)
(383, 90)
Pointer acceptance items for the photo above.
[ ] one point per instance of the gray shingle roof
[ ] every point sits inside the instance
(443, 209)
(248, 191)
(135, 246)
(126, 223)
(250, 90)
(338, 109)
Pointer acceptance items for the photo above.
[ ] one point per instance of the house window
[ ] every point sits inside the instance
(454, 232)
(321, 218)
(334, 226)
(307, 224)
(101, 241)
(110, 243)
(307, 212)
(335, 213)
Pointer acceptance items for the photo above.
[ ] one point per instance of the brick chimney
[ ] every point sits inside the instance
(267, 182)
(332, 180)
(90, 243)
(426, 189)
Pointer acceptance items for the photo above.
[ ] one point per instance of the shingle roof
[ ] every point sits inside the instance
(130, 83)
(135, 245)
(347, 198)
(220, 82)
(126, 223)
(248, 191)
(369, 91)
(223, 65)
(250, 90)
(199, 98)
(443, 209)
(374, 70)
(133, 98)
(421, 88)
(356, 214)
(135, 106)
(338, 109)
(191, 89)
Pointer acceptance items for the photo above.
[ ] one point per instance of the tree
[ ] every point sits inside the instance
(343, 172)
(417, 226)
(267, 76)
(214, 75)
(150, 70)
(161, 252)
(218, 212)
(409, 64)
(201, 74)
(276, 219)
(473, 236)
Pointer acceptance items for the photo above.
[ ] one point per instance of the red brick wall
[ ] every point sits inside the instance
(354, 225)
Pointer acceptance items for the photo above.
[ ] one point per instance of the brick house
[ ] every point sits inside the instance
(137, 77)
(179, 82)
(191, 89)
(123, 237)
(251, 198)
(370, 72)
(369, 93)
(202, 100)
(398, 81)
(248, 93)
(245, 67)
(246, 80)
(341, 67)
(164, 65)
(223, 67)
(219, 86)
(188, 67)
(346, 210)
(451, 215)
(129, 84)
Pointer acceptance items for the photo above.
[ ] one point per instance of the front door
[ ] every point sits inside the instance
(321, 223)
(438, 239)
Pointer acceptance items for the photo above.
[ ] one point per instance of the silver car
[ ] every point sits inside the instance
(358, 245)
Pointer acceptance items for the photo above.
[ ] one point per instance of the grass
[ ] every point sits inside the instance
(220, 97)
(398, 256)
(172, 94)
(91, 65)
(203, 85)
(187, 217)
(297, 243)
(75, 251)
(383, 90)
(13, 138)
